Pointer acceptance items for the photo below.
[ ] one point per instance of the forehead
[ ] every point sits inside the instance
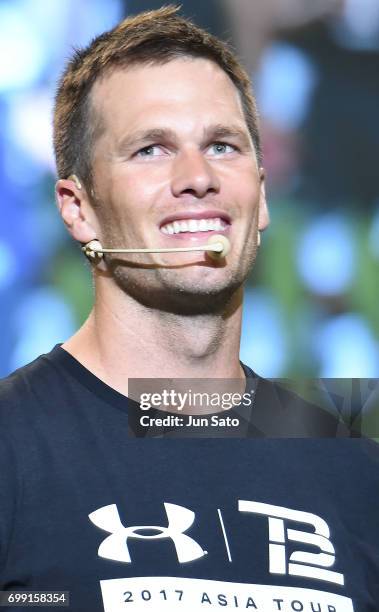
(187, 93)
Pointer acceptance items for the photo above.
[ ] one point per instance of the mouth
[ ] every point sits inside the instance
(195, 225)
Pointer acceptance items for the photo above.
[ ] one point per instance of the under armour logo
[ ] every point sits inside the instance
(300, 563)
(115, 546)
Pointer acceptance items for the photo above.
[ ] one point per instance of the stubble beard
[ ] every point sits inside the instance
(170, 290)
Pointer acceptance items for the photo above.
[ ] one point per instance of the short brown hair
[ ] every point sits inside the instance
(152, 37)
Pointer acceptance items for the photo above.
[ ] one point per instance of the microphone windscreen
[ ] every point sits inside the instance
(219, 238)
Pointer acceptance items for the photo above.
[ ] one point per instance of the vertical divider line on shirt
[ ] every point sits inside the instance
(224, 534)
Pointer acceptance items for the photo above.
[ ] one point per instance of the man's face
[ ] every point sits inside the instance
(174, 165)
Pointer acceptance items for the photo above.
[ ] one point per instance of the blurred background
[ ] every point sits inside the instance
(311, 304)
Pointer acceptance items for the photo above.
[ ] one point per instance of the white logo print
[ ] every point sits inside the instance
(295, 563)
(300, 563)
(115, 546)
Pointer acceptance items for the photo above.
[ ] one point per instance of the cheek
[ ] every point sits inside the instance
(140, 188)
(251, 188)
(248, 198)
(243, 183)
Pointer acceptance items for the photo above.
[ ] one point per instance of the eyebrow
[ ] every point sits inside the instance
(220, 131)
(211, 133)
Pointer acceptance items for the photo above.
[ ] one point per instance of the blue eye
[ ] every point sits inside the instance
(221, 148)
(149, 151)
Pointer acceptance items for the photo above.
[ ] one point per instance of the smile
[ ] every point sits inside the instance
(194, 225)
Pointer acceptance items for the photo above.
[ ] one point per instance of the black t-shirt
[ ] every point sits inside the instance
(185, 524)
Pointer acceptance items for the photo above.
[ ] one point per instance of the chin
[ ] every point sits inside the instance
(183, 295)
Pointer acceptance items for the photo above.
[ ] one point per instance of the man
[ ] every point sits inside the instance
(157, 146)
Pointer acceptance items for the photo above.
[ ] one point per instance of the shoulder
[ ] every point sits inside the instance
(28, 385)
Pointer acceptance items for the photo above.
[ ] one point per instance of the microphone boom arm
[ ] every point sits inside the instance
(218, 246)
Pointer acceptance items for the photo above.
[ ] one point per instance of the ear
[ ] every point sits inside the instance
(263, 214)
(75, 209)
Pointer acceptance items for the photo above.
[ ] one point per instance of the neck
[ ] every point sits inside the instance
(122, 339)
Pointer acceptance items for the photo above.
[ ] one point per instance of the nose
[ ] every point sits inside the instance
(193, 174)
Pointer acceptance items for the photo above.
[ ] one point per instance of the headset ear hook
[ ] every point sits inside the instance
(74, 178)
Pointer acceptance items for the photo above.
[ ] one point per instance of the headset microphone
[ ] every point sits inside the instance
(217, 247)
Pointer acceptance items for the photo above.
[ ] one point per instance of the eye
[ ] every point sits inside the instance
(222, 148)
(150, 151)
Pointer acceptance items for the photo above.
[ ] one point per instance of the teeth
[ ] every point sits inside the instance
(194, 225)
